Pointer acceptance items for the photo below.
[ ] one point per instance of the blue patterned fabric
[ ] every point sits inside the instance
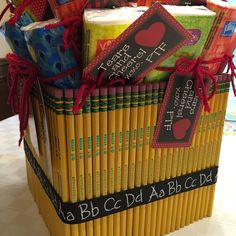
(15, 37)
(45, 46)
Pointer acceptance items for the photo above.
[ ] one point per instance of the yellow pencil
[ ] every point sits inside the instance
(169, 200)
(175, 198)
(190, 169)
(185, 195)
(71, 151)
(88, 155)
(80, 153)
(216, 125)
(96, 152)
(221, 108)
(125, 151)
(132, 151)
(139, 152)
(59, 120)
(195, 164)
(213, 134)
(104, 148)
(111, 150)
(160, 164)
(207, 155)
(199, 192)
(152, 208)
(145, 219)
(118, 152)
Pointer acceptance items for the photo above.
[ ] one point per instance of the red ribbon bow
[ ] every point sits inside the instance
(21, 76)
(196, 66)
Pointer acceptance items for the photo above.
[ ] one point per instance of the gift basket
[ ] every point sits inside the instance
(121, 108)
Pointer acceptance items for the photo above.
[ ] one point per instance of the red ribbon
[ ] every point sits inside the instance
(87, 88)
(70, 37)
(21, 77)
(21, 73)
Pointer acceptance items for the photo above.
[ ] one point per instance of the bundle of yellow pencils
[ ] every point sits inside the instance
(107, 148)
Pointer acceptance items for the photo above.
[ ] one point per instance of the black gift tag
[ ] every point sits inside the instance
(151, 39)
(179, 113)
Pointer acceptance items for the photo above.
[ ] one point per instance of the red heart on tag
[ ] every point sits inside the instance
(180, 128)
(152, 36)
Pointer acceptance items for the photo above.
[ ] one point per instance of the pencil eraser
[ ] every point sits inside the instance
(103, 91)
(127, 89)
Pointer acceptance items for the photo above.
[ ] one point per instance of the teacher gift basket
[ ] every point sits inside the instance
(121, 106)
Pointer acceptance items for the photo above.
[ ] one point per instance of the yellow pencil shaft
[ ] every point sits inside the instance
(58, 118)
(154, 163)
(79, 129)
(144, 221)
(103, 145)
(161, 213)
(111, 151)
(118, 153)
(132, 152)
(179, 196)
(125, 151)
(169, 174)
(96, 152)
(222, 98)
(175, 198)
(88, 158)
(71, 152)
(139, 152)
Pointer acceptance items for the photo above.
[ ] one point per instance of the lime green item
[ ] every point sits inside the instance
(196, 19)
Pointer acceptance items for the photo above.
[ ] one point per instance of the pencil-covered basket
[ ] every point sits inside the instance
(103, 177)
(121, 110)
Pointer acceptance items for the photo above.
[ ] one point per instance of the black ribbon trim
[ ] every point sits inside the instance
(79, 212)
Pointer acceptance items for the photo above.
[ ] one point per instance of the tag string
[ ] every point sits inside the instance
(200, 71)
(22, 74)
(185, 66)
